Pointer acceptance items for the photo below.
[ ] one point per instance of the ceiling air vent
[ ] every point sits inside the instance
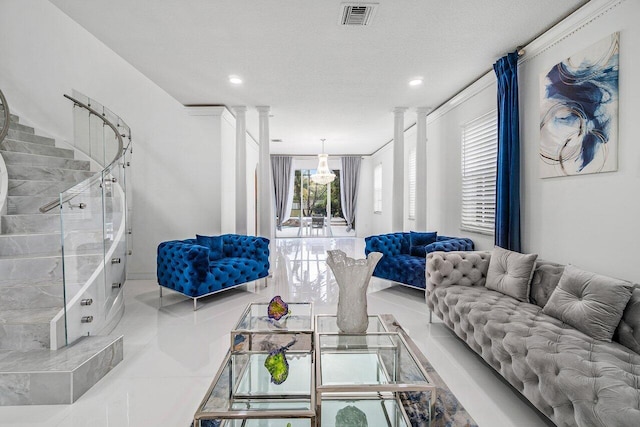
(357, 13)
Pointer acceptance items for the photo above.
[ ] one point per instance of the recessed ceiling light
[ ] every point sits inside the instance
(235, 80)
(415, 82)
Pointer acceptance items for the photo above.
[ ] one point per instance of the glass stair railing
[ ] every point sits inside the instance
(95, 218)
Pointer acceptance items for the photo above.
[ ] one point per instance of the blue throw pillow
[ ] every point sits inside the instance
(214, 243)
(419, 241)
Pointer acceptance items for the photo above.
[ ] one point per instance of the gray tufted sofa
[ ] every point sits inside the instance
(570, 377)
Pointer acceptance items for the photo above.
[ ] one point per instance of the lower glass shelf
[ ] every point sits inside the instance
(376, 411)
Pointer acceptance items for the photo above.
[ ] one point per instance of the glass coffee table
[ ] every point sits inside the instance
(332, 378)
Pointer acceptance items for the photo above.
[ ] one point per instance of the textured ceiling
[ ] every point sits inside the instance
(322, 80)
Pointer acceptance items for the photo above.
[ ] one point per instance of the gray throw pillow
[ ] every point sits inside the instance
(510, 273)
(589, 302)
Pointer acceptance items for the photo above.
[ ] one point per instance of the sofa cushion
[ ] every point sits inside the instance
(419, 241)
(590, 302)
(214, 243)
(510, 273)
(545, 278)
(570, 377)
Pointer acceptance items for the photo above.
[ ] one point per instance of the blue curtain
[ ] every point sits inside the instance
(507, 233)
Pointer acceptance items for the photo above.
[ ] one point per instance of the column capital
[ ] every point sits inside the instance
(239, 109)
(399, 110)
(263, 109)
(423, 110)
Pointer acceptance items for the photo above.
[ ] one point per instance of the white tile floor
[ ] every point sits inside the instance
(172, 352)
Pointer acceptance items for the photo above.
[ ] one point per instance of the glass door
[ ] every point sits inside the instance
(315, 209)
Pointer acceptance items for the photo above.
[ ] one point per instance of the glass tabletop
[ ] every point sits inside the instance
(328, 323)
(256, 331)
(255, 318)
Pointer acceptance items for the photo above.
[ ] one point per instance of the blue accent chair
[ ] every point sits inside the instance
(397, 263)
(186, 267)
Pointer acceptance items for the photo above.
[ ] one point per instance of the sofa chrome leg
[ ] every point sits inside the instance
(160, 291)
(265, 282)
(195, 304)
(430, 314)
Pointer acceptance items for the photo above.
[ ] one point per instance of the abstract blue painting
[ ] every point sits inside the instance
(579, 112)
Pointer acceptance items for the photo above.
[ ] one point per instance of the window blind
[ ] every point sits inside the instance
(412, 183)
(479, 156)
(377, 188)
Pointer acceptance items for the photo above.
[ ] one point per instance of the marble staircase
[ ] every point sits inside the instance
(31, 275)
(31, 288)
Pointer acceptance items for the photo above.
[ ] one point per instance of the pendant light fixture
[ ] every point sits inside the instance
(323, 174)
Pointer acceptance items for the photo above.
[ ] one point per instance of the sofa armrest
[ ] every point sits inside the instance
(252, 247)
(450, 244)
(456, 268)
(387, 244)
(182, 265)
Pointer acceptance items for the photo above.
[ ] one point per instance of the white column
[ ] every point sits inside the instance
(241, 169)
(421, 168)
(265, 182)
(397, 208)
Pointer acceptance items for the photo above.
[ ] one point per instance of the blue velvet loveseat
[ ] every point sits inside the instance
(403, 263)
(209, 264)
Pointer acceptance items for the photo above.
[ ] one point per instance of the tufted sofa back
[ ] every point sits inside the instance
(470, 269)
(240, 246)
(393, 244)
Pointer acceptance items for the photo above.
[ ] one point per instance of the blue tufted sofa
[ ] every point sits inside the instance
(186, 267)
(398, 265)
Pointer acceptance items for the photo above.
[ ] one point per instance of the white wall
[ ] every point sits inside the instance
(176, 173)
(590, 221)
(444, 178)
(368, 222)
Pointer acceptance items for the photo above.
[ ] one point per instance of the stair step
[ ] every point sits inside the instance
(29, 137)
(27, 270)
(18, 205)
(28, 159)
(92, 206)
(40, 296)
(17, 126)
(26, 329)
(41, 223)
(26, 378)
(12, 117)
(32, 244)
(44, 173)
(33, 148)
(39, 244)
(20, 187)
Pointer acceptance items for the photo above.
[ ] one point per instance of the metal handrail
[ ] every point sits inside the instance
(7, 117)
(58, 202)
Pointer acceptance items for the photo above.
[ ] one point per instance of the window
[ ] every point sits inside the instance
(377, 189)
(479, 156)
(412, 184)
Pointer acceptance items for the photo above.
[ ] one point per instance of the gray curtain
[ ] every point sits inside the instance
(349, 178)
(282, 168)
